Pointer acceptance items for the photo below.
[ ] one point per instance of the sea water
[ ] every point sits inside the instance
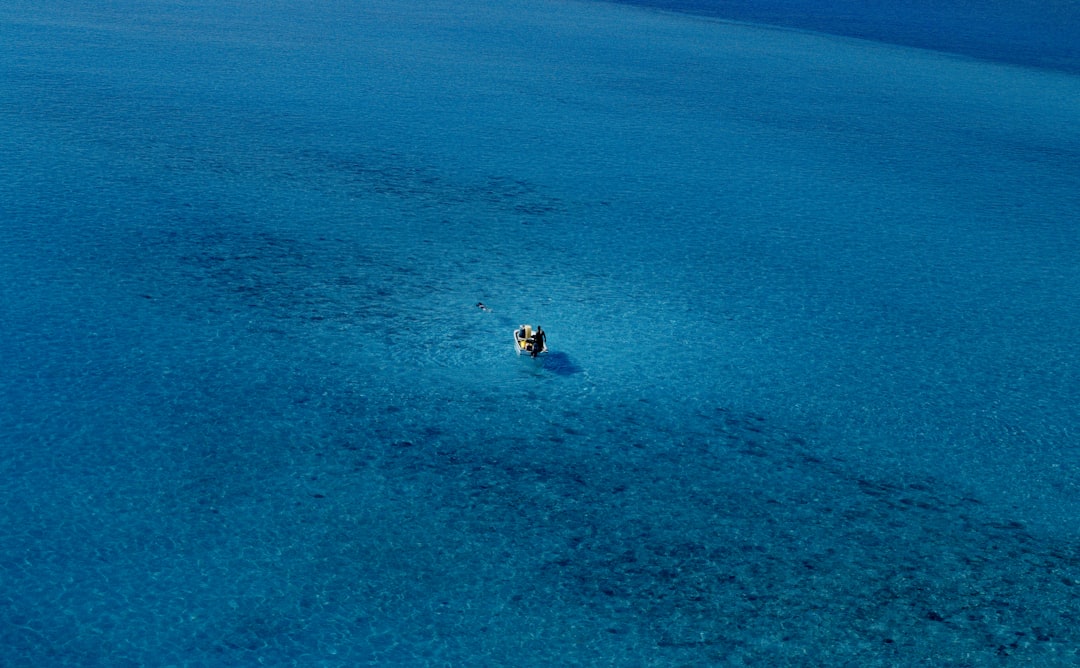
(812, 304)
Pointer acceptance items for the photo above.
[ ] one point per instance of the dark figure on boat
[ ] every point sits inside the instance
(539, 340)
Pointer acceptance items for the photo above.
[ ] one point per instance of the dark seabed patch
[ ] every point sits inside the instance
(697, 542)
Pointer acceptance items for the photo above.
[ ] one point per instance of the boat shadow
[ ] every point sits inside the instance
(560, 364)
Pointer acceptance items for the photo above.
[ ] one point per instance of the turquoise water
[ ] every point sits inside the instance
(812, 304)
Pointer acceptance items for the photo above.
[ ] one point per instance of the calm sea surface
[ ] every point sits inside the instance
(813, 304)
(1026, 32)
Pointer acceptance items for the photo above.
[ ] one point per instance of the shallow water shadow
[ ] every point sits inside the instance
(560, 363)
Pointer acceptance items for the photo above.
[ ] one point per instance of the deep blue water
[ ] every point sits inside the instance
(812, 302)
(1037, 34)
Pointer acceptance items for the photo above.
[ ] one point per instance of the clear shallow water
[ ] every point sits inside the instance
(813, 304)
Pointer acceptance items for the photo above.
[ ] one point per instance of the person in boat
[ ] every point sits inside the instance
(538, 341)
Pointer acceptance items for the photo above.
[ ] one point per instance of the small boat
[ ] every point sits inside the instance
(524, 339)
